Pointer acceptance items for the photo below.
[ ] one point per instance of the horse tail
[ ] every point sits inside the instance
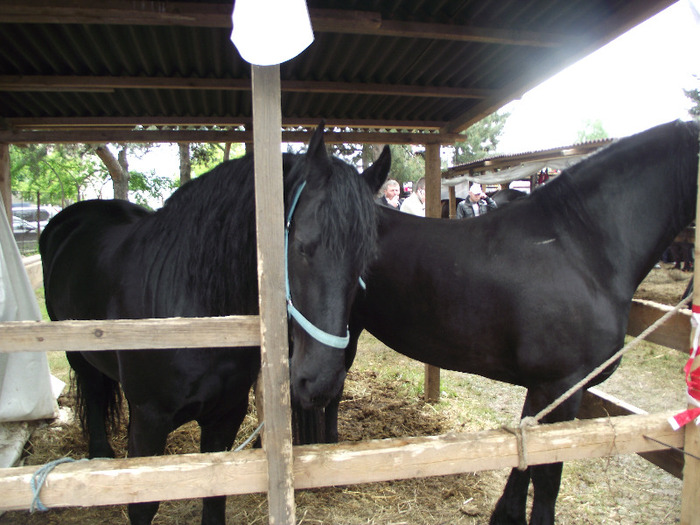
(98, 397)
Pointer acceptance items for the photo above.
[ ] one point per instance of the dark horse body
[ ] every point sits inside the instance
(197, 257)
(536, 293)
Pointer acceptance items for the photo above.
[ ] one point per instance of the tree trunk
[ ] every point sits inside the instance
(118, 169)
(185, 163)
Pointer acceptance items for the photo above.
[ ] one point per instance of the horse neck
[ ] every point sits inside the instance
(204, 243)
(631, 203)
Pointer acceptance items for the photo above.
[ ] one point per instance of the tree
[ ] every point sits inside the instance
(592, 130)
(118, 169)
(61, 173)
(481, 139)
(407, 163)
(694, 96)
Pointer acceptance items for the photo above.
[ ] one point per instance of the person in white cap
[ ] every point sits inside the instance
(478, 203)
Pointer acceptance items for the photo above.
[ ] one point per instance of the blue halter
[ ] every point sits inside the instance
(327, 339)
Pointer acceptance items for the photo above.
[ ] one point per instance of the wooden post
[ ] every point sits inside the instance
(433, 208)
(690, 502)
(269, 198)
(452, 192)
(5, 183)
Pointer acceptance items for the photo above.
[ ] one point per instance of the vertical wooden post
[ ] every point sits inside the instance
(690, 499)
(5, 183)
(269, 198)
(452, 192)
(433, 208)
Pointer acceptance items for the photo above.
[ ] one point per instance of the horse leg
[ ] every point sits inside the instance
(97, 396)
(218, 435)
(510, 508)
(546, 479)
(148, 434)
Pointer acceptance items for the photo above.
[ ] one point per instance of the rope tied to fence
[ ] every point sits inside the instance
(531, 421)
(39, 478)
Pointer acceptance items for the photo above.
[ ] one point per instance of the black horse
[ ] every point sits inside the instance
(536, 293)
(196, 257)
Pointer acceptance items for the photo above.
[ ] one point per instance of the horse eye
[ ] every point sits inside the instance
(306, 249)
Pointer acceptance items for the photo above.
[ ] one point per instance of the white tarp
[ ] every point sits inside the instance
(520, 172)
(25, 381)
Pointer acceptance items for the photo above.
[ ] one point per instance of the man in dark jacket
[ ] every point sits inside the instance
(477, 203)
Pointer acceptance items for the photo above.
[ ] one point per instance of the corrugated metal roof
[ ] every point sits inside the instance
(409, 64)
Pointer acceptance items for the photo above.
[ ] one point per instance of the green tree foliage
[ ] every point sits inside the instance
(694, 96)
(592, 130)
(481, 139)
(407, 163)
(208, 155)
(61, 173)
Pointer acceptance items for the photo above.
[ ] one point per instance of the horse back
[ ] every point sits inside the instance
(72, 247)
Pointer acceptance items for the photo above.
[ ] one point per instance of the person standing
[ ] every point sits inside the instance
(415, 203)
(390, 198)
(477, 203)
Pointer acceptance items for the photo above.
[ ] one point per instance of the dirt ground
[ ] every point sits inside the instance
(382, 399)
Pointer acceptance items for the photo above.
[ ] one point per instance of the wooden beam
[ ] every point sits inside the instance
(60, 83)
(674, 333)
(100, 136)
(6, 180)
(130, 334)
(597, 403)
(219, 15)
(690, 503)
(433, 208)
(109, 123)
(269, 219)
(121, 481)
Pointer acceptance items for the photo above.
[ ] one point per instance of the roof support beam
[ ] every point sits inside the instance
(101, 84)
(97, 136)
(128, 123)
(219, 15)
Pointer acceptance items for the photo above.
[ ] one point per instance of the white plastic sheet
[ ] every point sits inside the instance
(25, 381)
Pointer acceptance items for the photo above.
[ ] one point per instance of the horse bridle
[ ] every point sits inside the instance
(321, 336)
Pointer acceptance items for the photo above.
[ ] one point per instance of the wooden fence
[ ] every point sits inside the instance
(122, 481)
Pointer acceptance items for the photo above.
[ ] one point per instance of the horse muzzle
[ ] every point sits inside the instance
(316, 390)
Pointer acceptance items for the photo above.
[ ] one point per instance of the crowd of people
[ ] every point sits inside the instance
(477, 203)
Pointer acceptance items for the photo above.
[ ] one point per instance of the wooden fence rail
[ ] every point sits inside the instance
(121, 481)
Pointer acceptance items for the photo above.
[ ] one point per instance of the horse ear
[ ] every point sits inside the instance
(316, 153)
(377, 173)
(317, 147)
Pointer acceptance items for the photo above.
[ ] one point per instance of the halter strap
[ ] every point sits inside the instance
(327, 339)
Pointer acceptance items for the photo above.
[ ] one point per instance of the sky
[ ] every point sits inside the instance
(633, 83)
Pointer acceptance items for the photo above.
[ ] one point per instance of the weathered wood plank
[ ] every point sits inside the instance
(674, 333)
(109, 482)
(269, 198)
(597, 403)
(433, 208)
(130, 334)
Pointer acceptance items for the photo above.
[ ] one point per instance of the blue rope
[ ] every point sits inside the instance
(250, 438)
(38, 480)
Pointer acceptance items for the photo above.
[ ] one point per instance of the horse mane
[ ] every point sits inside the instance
(674, 144)
(210, 223)
(347, 212)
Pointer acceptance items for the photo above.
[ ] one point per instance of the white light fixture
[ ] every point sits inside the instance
(268, 32)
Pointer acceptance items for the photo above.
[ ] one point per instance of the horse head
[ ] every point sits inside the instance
(330, 240)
